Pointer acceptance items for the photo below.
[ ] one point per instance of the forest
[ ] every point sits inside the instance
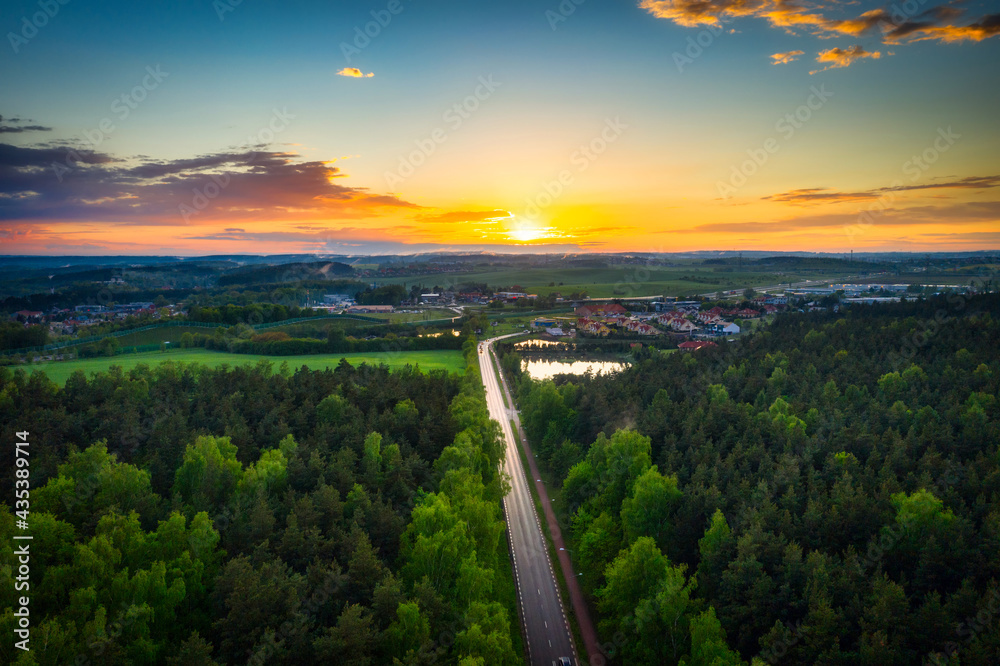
(187, 515)
(824, 491)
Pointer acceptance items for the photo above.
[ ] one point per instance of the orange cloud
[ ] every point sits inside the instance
(784, 58)
(988, 26)
(838, 57)
(692, 13)
(895, 25)
(355, 73)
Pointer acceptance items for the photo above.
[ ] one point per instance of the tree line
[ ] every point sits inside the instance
(823, 492)
(189, 515)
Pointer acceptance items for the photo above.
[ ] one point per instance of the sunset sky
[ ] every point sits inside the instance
(199, 127)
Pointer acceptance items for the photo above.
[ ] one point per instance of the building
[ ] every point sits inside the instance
(695, 345)
(601, 310)
(360, 309)
(32, 316)
(336, 299)
(666, 304)
(677, 323)
(543, 323)
(708, 318)
(135, 307)
(592, 326)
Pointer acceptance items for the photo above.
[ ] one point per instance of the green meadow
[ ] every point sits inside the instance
(59, 371)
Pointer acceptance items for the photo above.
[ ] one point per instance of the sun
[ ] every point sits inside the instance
(525, 233)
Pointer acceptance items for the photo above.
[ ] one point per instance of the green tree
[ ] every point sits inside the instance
(649, 509)
(209, 473)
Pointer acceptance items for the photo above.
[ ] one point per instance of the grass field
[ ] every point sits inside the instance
(60, 371)
(171, 334)
(625, 280)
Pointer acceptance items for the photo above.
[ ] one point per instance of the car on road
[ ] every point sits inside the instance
(563, 661)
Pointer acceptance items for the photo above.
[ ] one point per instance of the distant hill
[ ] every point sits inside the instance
(291, 272)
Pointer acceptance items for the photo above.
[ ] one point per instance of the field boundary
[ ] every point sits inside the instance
(257, 327)
(185, 324)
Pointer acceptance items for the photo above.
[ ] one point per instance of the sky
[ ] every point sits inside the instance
(403, 126)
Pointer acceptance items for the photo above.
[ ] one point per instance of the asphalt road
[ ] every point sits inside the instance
(547, 631)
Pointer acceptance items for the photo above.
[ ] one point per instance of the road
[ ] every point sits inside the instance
(546, 628)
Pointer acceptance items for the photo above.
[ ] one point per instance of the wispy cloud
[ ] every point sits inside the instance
(838, 57)
(928, 27)
(783, 58)
(355, 73)
(17, 125)
(826, 18)
(820, 195)
(459, 216)
(969, 214)
(814, 195)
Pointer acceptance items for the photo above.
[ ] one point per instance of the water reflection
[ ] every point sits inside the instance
(537, 344)
(547, 369)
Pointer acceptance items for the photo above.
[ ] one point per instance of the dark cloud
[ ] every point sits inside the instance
(931, 27)
(16, 125)
(59, 184)
(10, 129)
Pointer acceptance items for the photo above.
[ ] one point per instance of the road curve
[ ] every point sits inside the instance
(546, 627)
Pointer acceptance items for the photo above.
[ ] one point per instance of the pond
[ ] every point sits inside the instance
(454, 332)
(537, 344)
(548, 368)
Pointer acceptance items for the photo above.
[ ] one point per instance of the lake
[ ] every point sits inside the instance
(548, 368)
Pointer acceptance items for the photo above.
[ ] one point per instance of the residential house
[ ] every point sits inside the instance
(28, 316)
(601, 310)
(695, 345)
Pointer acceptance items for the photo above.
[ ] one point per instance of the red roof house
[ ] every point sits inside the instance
(695, 345)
